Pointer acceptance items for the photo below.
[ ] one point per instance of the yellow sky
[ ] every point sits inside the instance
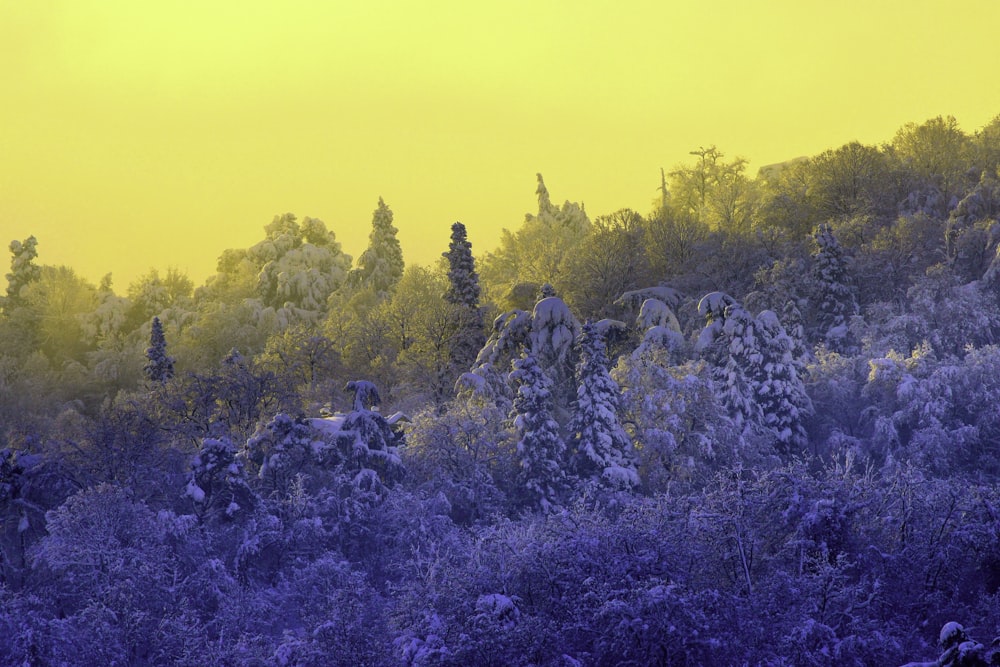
(136, 135)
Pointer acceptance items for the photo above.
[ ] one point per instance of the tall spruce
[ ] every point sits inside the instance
(779, 389)
(463, 293)
(834, 294)
(380, 266)
(540, 449)
(602, 449)
(463, 289)
(159, 366)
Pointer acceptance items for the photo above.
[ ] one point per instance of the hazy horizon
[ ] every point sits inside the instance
(151, 136)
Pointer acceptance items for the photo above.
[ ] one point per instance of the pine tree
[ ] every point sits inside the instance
(22, 270)
(779, 390)
(463, 280)
(554, 329)
(463, 293)
(602, 448)
(159, 367)
(380, 266)
(742, 368)
(754, 369)
(540, 450)
(834, 294)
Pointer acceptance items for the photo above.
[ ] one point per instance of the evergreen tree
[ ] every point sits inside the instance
(779, 390)
(159, 367)
(463, 293)
(540, 450)
(22, 270)
(753, 366)
(602, 447)
(553, 332)
(217, 483)
(380, 266)
(834, 294)
(463, 280)
(743, 366)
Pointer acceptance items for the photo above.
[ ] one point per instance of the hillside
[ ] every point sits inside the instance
(755, 424)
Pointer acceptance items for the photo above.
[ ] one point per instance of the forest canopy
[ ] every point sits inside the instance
(755, 424)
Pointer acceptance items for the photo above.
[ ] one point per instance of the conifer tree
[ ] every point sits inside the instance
(742, 368)
(754, 369)
(835, 296)
(540, 450)
(602, 448)
(554, 329)
(159, 366)
(380, 266)
(463, 280)
(463, 293)
(779, 390)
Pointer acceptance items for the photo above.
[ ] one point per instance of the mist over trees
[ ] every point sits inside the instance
(755, 424)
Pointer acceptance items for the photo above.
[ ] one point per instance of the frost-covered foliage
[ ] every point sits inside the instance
(291, 273)
(935, 412)
(217, 484)
(754, 370)
(466, 454)
(159, 365)
(486, 383)
(679, 427)
(947, 315)
(554, 330)
(224, 517)
(659, 330)
(730, 343)
(548, 334)
(380, 266)
(22, 270)
(668, 296)
(601, 448)
(338, 618)
(834, 293)
(360, 445)
(536, 253)
(960, 650)
(540, 448)
(779, 390)
(509, 336)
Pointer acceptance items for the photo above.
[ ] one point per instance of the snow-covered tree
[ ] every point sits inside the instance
(217, 483)
(754, 369)
(537, 252)
(22, 270)
(300, 265)
(602, 448)
(463, 294)
(779, 390)
(540, 449)
(366, 438)
(743, 368)
(380, 266)
(835, 296)
(554, 329)
(658, 326)
(463, 281)
(159, 365)
(509, 336)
